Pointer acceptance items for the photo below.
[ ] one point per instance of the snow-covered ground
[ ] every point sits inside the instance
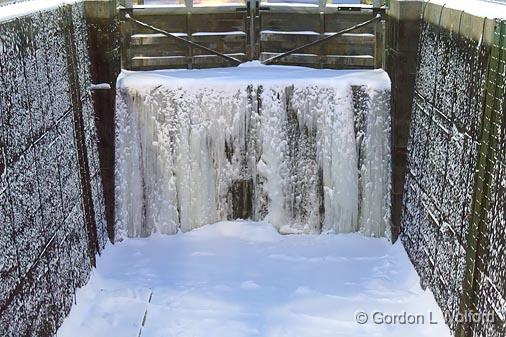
(235, 279)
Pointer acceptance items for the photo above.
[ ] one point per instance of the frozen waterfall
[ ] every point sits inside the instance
(307, 150)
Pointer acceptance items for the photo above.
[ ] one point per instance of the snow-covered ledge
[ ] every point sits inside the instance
(19, 9)
(307, 150)
(474, 19)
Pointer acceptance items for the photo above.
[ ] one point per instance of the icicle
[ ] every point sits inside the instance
(192, 153)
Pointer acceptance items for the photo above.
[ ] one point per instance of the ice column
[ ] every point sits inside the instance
(309, 157)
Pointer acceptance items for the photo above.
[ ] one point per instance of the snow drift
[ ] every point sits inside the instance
(243, 279)
(307, 150)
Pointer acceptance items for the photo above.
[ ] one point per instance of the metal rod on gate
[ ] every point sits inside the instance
(325, 39)
(196, 45)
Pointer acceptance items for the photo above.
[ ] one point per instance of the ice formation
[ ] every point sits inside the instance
(307, 150)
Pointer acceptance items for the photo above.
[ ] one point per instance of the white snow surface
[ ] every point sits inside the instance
(19, 9)
(481, 8)
(238, 279)
(185, 138)
(252, 72)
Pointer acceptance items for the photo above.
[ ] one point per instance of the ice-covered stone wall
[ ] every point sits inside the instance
(492, 289)
(307, 150)
(443, 145)
(447, 130)
(51, 195)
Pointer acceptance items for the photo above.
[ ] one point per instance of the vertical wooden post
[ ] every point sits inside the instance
(322, 5)
(126, 29)
(103, 45)
(79, 134)
(126, 33)
(252, 31)
(379, 45)
(247, 29)
(189, 32)
(400, 64)
(322, 33)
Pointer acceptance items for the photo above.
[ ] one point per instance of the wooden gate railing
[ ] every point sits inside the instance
(250, 30)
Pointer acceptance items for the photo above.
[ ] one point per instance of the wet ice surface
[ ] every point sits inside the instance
(244, 279)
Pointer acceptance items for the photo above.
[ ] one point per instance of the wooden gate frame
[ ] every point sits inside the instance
(254, 32)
